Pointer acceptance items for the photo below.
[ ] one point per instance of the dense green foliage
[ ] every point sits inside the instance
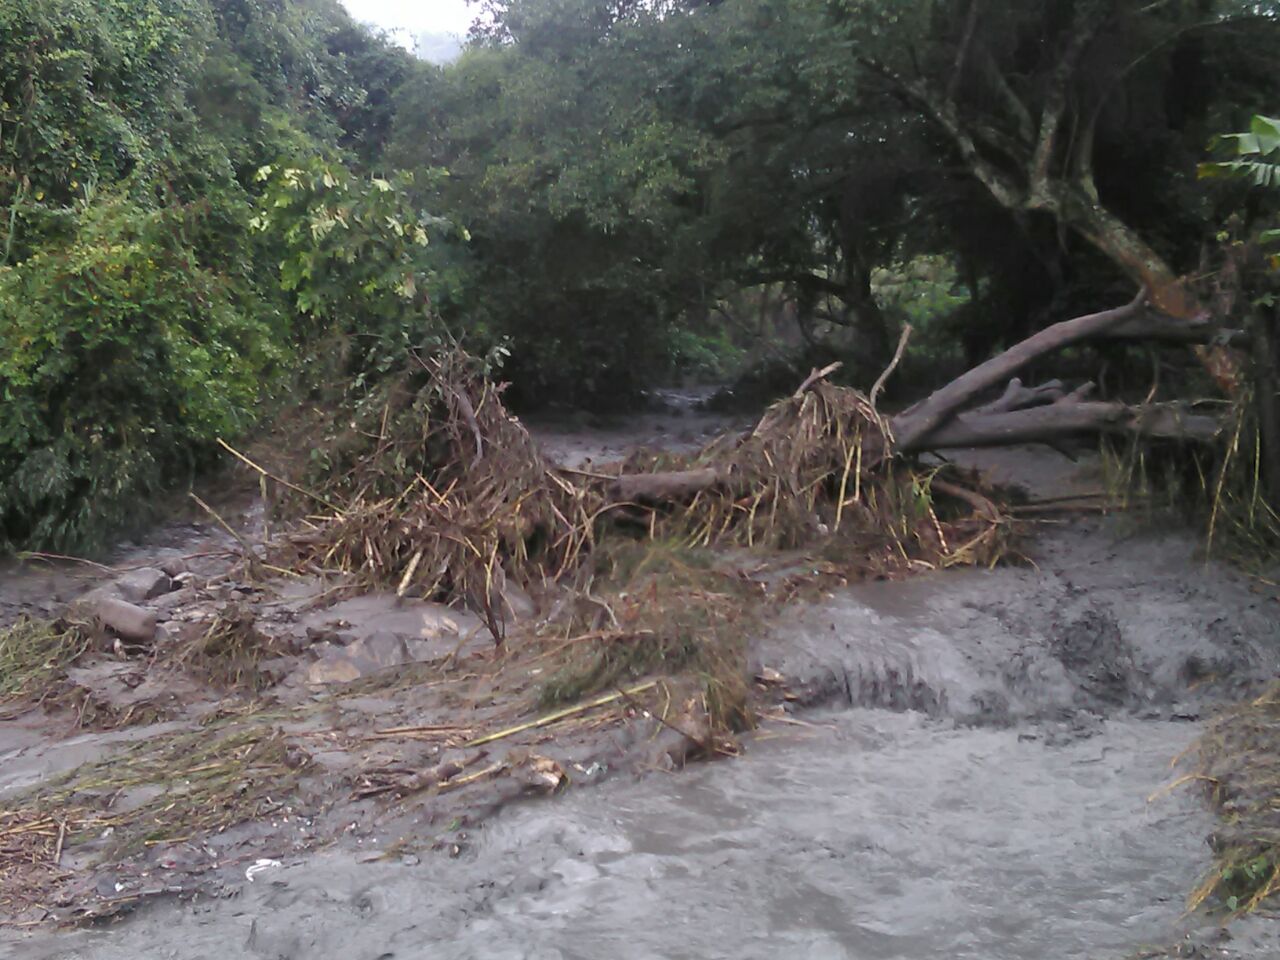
(207, 206)
(140, 315)
(357, 260)
(123, 355)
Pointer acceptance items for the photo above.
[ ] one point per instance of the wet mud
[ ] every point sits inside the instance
(971, 765)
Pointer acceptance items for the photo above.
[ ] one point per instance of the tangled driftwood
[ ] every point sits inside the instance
(449, 497)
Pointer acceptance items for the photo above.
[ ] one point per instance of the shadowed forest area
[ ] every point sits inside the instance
(253, 252)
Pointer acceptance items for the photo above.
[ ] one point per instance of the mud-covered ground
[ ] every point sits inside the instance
(971, 765)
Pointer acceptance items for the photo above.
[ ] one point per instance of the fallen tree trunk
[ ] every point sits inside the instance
(1067, 419)
(912, 428)
(1038, 414)
(660, 487)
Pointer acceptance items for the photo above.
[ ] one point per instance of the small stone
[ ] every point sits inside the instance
(90, 600)
(174, 567)
(166, 635)
(138, 586)
(382, 648)
(171, 601)
(333, 670)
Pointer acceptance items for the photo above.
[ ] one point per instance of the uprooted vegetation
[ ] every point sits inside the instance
(451, 501)
(34, 655)
(1238, 761)
(182, 784)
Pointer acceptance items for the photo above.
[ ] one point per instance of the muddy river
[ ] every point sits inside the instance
(984, 781)
(980, 775)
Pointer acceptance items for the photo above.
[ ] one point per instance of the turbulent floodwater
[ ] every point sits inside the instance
(978, 783)
(1004, 816)
(881, 836)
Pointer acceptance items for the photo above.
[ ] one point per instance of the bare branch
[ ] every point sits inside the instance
(1039, 172)
(1018, 397)
(893, 365)
(962, 51)
(913, 426)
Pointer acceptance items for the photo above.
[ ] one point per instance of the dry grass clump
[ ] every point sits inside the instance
(658, 608)
(35, 654)
(815, 470)
(1238, 758)
(31, 845)
(804, 470)
(230, 652)
(165, 788)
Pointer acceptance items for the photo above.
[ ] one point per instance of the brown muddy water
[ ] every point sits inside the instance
(977, 776)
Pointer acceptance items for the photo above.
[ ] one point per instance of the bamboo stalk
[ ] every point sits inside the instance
(561, 714)
(266, 473)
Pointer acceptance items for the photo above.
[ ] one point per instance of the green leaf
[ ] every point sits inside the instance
(1266, 134)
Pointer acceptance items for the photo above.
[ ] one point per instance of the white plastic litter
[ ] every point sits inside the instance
(258, 866)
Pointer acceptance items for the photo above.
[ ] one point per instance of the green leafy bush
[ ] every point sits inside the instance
(358, 259)
(124, 359)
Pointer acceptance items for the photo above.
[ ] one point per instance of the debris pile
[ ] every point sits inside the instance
(622, 598)
(450, 501)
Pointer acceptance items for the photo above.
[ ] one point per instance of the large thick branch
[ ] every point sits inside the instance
(1089, 19)
(1126, 249)
(1017, 110)
(1066, 419)
(665, 487)
(962, 50)
(1149, 325)
(914, 426)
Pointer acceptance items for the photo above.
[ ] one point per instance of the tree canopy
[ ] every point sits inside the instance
(210, 206)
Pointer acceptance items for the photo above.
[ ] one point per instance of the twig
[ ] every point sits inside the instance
(1067, 506)
(561, 714)
(469, 414)
(37, 555)
(815, 376)
(893, 365)
(62, 835)
(440, 728)
(244, 544)
(473, 777)
(981, 505)
(663, 721)
(271, 476)
(408, 574)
